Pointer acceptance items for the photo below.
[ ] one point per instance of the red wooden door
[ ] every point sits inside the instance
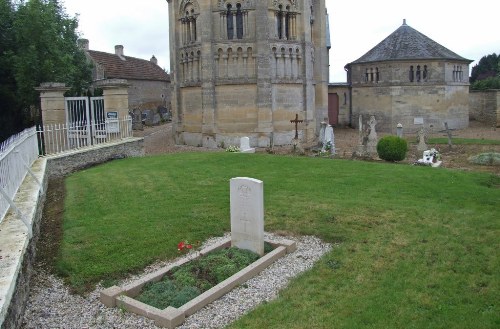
(333, 109)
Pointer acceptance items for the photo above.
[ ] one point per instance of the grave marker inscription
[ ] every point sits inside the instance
(247, 214)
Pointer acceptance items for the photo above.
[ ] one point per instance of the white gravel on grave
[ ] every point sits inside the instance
(51, 305)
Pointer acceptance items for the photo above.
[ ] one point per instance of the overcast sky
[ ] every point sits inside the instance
(469, 29)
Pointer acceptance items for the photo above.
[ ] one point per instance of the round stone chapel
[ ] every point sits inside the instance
(247, 68)
(410, 79)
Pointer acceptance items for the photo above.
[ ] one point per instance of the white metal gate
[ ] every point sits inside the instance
(86, 121)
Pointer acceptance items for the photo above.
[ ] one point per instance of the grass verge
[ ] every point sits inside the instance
(417, 245)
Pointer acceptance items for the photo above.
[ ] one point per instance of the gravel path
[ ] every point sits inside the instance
(51, 305)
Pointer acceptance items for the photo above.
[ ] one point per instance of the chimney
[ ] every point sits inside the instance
(154, 60)
(119, 51)
(83, 44)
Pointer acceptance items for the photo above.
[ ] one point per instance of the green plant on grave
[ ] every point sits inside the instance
(187, 281)
(392, 148)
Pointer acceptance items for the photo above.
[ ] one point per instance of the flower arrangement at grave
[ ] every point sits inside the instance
(185, 246)
(232, 148)
(430, 157)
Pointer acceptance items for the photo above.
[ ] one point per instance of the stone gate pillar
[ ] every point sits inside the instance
(115, 92)
(52, 102)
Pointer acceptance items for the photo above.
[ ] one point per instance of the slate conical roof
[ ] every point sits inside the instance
(406, 43)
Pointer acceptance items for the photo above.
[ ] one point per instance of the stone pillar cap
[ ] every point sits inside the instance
(112, 83)
(48, 86)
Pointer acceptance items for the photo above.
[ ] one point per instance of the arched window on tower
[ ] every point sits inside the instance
(424, 73)
(279, 22)
(189, 31)
(239, 22)
(229, 20)
(287, 23)
(418, 73)
(411, 74)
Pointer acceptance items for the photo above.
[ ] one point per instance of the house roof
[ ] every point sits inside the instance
(406, 43)
(126, 67)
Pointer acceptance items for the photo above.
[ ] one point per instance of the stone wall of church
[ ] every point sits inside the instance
(408, 92)
(485, 107)
(410, 105)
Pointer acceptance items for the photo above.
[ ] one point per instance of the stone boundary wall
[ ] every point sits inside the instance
(18, 250)
(484, 106)
(69, 162)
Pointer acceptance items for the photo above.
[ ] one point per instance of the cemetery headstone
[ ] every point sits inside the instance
(329, 142)
(399, 130)
(137, 120)
(149, 117)
(361, 148)
(371, 146)
(245, 145)
(322, 133)
(165, 113)
(422, 146)
(296, 121)
(247, 214)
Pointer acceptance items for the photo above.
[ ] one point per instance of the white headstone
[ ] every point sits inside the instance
(329, 139)
(245, 145)
(247, 214)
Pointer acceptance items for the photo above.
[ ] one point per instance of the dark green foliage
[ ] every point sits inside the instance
(191, 279)
(184, 296)
(38, 43)
(392, 148)
(488, 83)
(487, 67)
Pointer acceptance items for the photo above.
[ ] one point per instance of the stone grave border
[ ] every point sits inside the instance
(123, 297)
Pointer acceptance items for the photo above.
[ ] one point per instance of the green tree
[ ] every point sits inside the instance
(488, 66)
(10, 118)
(41, 46)
(47, 38)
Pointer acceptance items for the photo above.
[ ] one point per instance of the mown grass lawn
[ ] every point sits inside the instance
(417, 246)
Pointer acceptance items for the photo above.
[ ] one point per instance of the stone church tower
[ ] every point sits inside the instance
(246, 68)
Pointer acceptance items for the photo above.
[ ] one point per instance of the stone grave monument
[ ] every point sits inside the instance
(137, 120)
(247, 214)
(245, 145)
(371, 145)
(329, 141)
(422, 146)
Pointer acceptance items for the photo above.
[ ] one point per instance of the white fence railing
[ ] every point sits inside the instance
(17, 154)
(58, 138)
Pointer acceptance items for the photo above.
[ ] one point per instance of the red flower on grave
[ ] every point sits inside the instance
(184, 245)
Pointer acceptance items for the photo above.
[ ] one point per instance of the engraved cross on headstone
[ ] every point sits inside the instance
(296, 121)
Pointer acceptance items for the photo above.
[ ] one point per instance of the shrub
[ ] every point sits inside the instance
(392, 148)
(486, 159)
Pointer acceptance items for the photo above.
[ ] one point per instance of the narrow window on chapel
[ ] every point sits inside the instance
(418, 73)
(377, 75)
(424, 73)
(230, 26)
(411, 75)
(239, 22)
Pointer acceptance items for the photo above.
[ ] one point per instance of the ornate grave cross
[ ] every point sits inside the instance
(448, 133)
(296, 121)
